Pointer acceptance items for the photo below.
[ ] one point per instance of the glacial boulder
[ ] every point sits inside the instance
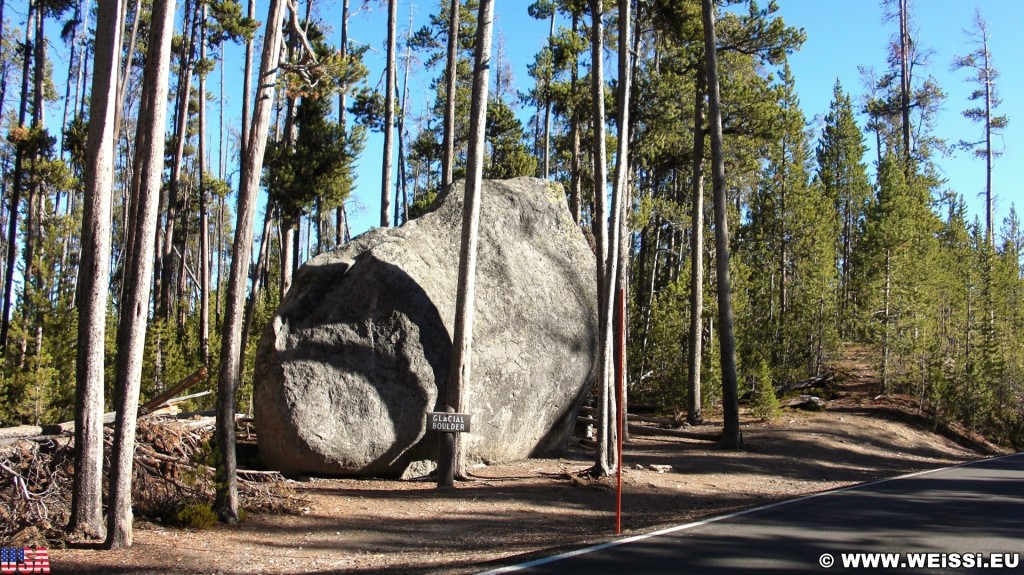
(358, 351)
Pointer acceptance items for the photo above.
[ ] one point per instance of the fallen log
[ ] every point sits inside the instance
(259, 475)
(27, 431)
(183, 385)
(821, 380)
(650, 431)
(68, 427)
(808, 402)
(640, 418)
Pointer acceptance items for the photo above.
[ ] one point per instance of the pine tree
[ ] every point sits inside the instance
(843, 177)
(898, 263)
(87, 505)
(731, 436)
(451, 463)
(231, 354)
(980, 61)
(139, 264)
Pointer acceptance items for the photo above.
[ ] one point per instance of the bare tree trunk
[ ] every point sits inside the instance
(173, 188)
(905, 78)
(78, 104)
(204, 215)
(73, 58)
(403, 204)
(731, 436)
(122, 90)
(131, 330)
(389, 115)
(576, 202)
(547, 103)
(226, 503)
(600, 227)
(254, 279)
(39, 74)
(94, 280)
(885, 320)
(246, 98)
(222, 155)
(339, 212)
(623, 208)
(180, 295)
(16, 187)
(780, 333)
(694, 411)
(989, 75)
(451, 71)
(287, 254)
(451, 463)
(649, 269)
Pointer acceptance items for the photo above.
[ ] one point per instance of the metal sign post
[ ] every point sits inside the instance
(620, 388)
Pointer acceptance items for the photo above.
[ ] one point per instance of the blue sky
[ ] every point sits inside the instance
(841, 36)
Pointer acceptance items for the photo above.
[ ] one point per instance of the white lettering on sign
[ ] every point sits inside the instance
(448, 422)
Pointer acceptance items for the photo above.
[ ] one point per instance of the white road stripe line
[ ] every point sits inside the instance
(677, 528)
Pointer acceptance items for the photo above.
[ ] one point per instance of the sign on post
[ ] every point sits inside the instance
(448, 422)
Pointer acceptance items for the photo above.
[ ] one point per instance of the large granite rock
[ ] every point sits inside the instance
(358, 352)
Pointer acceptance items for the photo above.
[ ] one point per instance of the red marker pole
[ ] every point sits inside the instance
(620, 383)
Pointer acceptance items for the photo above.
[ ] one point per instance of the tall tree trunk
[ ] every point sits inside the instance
(403, 205)
(339, 212)
(122, 90)
(83, 63)
(246, 97)
(694, 406)
(989, 76)
(255, 280)
(226, 503)
(39, 74)
(131, 330)
(451, 71)
(33, 221)
(600, 227)
(576, 201)
(222, 172)
(547, 102)
(905, 54)
(731, 436)
(780, 334)
(174, 186)
(288, 255)
(451, 463)
(183, 253)
(623, 208)
(204, 215)
(885, 321)
(649, 269)
(73, 57)
(16, 186)
(389, 115)
(94, 280)
(222, 155)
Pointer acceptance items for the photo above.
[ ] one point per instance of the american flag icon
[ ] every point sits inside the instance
(24, 560)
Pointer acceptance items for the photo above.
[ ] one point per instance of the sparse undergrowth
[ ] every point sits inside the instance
(173, 481)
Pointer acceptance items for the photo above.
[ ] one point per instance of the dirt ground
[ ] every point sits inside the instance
(514, 511)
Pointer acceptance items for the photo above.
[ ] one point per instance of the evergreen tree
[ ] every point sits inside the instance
(509, 156)
(980, 61)
(897, 296)
(843, 178)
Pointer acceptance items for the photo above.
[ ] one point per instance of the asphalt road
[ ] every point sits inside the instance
(970, 509)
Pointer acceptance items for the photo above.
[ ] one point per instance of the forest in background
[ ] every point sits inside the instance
(824, 249)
